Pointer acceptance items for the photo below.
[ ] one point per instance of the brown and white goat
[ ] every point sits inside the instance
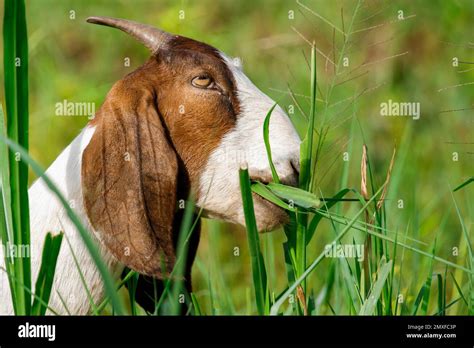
(185, 121)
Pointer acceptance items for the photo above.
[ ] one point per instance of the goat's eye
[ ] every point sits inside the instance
(202, 81)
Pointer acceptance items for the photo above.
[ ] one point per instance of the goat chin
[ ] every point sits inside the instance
(47, 215)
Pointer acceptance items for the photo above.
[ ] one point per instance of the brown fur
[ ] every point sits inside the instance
(131, 204)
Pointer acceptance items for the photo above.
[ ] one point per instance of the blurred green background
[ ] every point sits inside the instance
(73, 60)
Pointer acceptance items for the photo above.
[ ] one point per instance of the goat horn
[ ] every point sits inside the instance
(151, 37)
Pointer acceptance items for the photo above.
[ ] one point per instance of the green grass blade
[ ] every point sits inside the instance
(94, 310)
(470, 257)
(15, 51)
(295, 195)
(325, 295)
(441, 302)
(266, 139)
(22, 88)
(391, 281)
(306, 148)
(44, 282)
(465, 183)
(418, 300)
(458, 288)
(370, 304)
(449, 305)
(6, 224)
(263, 191)
(185, 231)
(132, 289)
(197, 308)
(63, 302)
(9, 56)
(354, 298)
(429, 280)
(300, 247)
(258, 266)
(6, 232)
(211, 296)
(224, 293)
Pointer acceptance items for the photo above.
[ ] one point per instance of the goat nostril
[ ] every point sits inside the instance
(292, 178)
(295, 166)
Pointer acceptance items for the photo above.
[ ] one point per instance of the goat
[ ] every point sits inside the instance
(184, 122)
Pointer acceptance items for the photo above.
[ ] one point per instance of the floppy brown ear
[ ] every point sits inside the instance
(129, 180)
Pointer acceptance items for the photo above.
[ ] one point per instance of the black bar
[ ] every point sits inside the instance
(291, 331)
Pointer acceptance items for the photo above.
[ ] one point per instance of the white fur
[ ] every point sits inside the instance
(244, 147)
(48, 215)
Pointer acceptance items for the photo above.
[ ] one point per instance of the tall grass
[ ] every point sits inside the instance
(258, 268)
(365, 287)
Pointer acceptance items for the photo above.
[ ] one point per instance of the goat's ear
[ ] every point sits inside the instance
(129, 181)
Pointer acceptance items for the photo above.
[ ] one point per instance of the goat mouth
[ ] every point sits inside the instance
(259, 199)
(269, 216)
(266, 203)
